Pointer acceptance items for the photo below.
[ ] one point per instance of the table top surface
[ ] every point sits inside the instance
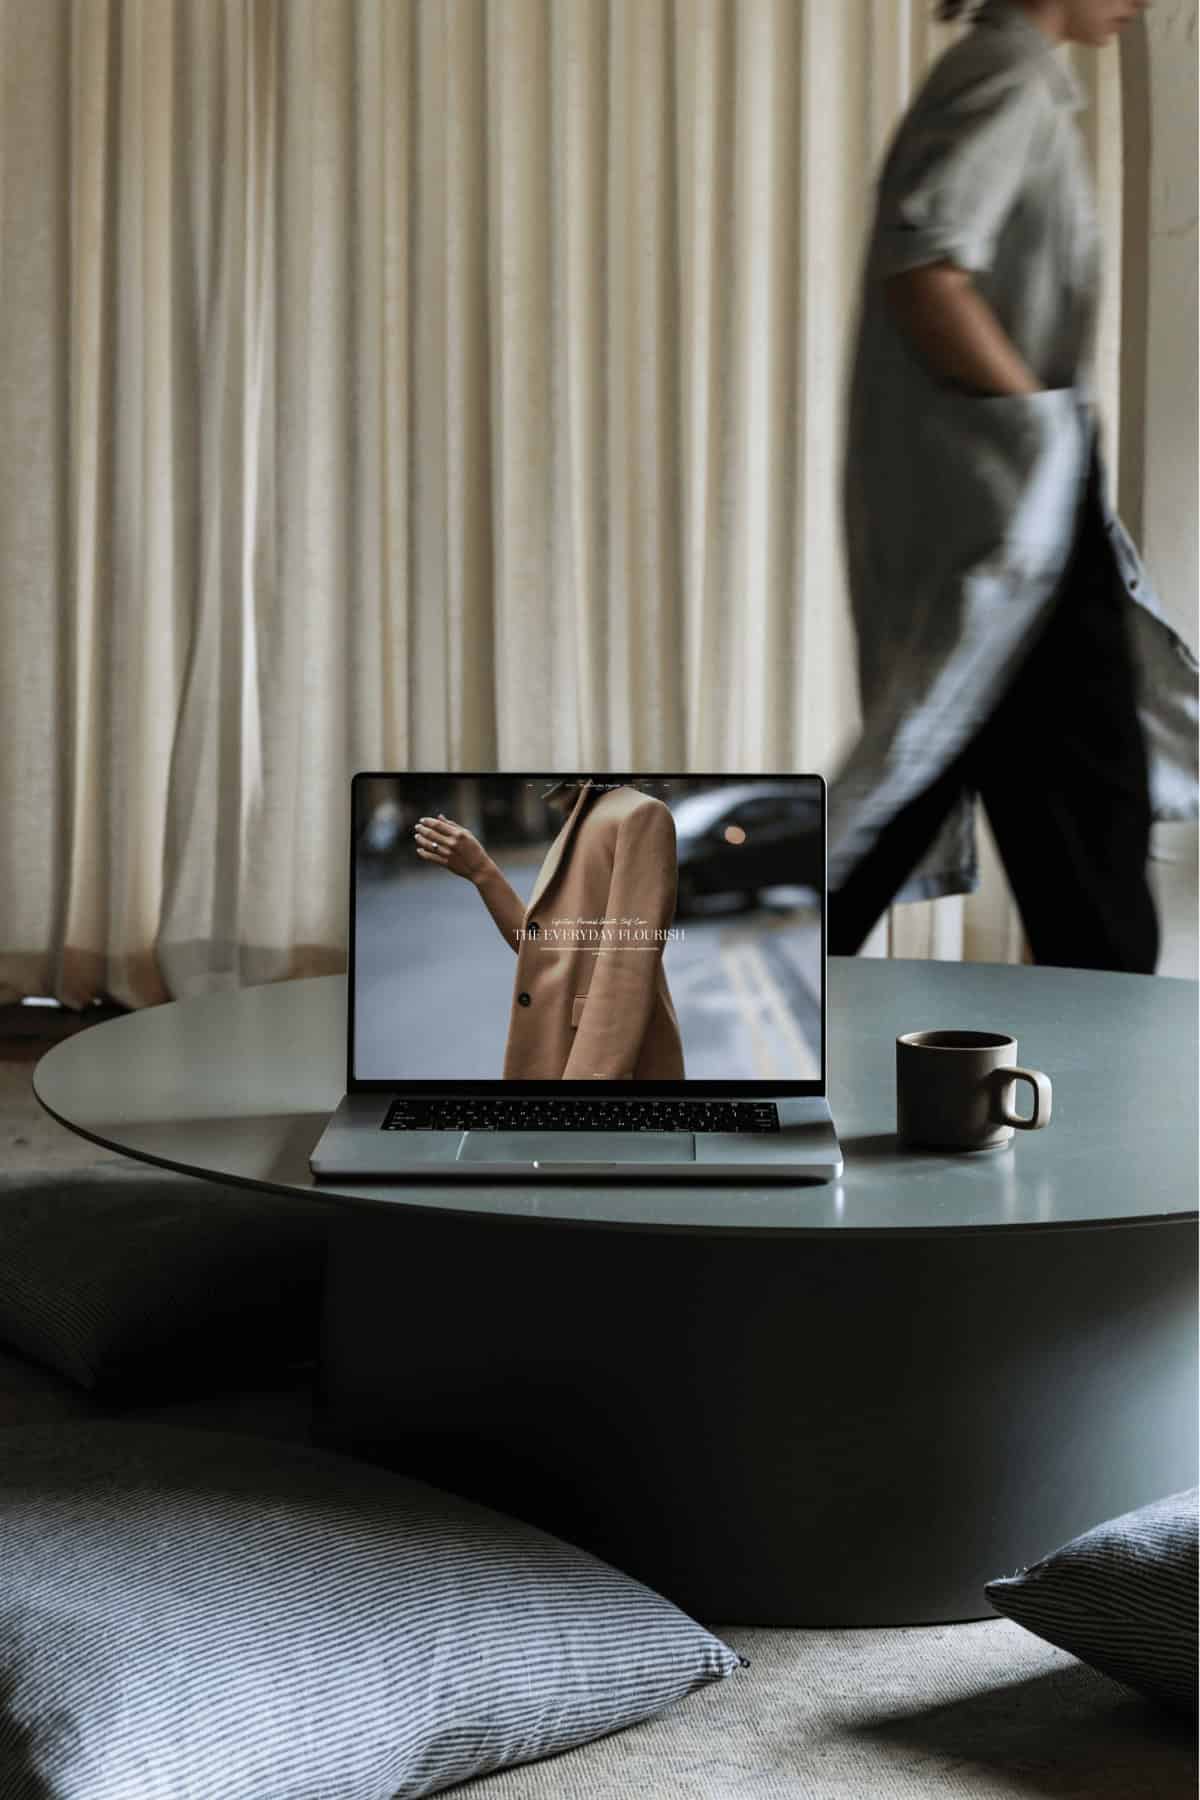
(239, 1085)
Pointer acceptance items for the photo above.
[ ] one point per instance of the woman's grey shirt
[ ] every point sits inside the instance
(960, 510)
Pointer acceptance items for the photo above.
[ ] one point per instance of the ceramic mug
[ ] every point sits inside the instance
(954, 1090)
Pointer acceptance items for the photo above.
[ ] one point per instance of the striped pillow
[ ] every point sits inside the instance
(1122, 1597)
(199, 1614)
(130, 1281)
(30, 1395)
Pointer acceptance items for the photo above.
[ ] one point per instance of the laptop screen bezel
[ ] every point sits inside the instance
(733, 1087)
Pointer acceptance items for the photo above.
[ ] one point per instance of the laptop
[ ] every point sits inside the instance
(558, 977)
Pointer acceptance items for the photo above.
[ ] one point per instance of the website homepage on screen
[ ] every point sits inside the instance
(587, 928)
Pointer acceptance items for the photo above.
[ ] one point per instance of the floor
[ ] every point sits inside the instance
(969, 1712)
(29, 1138)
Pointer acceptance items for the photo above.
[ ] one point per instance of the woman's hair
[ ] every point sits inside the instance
(949, 10)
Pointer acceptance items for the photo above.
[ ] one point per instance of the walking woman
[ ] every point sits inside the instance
(1009, 644)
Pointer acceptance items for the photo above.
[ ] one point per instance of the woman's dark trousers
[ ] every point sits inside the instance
(1060, 767)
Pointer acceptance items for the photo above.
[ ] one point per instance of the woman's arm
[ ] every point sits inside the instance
(453, 847)
(955, 332)
(503, 902)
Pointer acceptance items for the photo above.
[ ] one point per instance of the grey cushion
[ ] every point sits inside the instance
(272, 1408)
(195, 1616)
(31, 1395)
(124, 1278)
(277, 1408)
(1121, 1597)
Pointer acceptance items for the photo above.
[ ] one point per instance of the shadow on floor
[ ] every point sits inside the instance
(1067, 1735)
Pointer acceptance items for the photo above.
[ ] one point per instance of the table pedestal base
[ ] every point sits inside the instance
(774, 1431)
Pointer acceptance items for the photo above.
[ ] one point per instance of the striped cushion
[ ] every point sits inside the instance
(127, 1279)
(31, 1395)
(1122, 1597)
(199, 1616)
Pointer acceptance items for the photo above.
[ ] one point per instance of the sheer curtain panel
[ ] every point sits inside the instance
(408, 383)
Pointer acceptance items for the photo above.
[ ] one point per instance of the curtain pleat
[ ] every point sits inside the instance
(395, 384)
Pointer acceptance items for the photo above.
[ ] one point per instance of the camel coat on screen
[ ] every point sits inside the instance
(590, 999)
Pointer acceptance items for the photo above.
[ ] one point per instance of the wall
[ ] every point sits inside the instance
(1159, 464)
(1169, 453)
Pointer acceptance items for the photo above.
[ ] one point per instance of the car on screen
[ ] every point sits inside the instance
(737, 842)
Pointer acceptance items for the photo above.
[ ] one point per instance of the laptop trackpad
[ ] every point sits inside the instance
(578, 1147)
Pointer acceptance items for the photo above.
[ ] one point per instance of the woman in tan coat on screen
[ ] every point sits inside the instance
(590, 998)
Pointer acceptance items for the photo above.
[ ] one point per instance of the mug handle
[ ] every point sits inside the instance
(1005, 1079)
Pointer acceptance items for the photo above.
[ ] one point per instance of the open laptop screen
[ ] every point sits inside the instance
(583, 929)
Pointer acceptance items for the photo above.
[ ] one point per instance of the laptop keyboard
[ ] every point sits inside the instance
(443, 1113)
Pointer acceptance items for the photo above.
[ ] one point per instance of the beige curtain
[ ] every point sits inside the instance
(408, 383)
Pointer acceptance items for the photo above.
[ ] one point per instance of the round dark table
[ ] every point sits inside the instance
(840, 1405)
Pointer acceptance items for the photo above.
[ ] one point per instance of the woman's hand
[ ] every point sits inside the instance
(452, 846)
(955, 332)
